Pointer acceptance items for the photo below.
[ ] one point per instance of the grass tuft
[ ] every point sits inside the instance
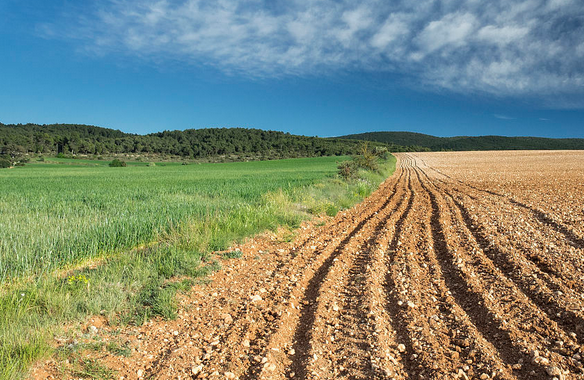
(236, 254)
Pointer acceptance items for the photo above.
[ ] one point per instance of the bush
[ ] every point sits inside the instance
(117, 164)
(381, 152)
(347, 169)
(367, 159)
(5, 164)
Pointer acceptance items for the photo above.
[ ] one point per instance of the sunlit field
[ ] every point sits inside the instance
(55, 214)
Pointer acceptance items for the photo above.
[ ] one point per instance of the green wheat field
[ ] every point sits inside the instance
(59, 214)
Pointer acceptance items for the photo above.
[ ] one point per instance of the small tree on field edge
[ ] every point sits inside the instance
(366, 159)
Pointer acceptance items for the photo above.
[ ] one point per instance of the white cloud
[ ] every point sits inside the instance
(355, 20)
(504, 117)
(580, 50)
(393, 28)
(555, 4)
(499, 47)
(502, 35)
(299, 31)
(452, 30)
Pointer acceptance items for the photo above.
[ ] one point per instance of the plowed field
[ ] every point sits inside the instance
(461, 265)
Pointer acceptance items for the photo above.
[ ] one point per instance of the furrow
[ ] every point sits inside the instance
(345, 332)
(534, 245)
(576, 240)
(471, 301)
(414, 297)
(388, 335)
(563, 275)
(548, 295)
(569, 235)
(330, 276)
(470, 353)
(278, 335)
(253, 323)
(405, 350)
(437, 343)
(344, 327)
(515, 324)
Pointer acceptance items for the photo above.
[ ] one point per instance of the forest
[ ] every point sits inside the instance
(419, 142)
(17, 140)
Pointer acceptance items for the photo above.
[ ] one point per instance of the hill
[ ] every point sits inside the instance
(232, 143)
(462, 143)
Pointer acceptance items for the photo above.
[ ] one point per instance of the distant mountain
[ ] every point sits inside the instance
(419, 141)
(231, 143)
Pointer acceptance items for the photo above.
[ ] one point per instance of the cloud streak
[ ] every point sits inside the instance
(504, 117)
(499, 47)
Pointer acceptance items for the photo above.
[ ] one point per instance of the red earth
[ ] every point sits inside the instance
(461, 265)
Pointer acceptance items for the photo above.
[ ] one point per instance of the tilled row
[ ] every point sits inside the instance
(322, 345)
(442, 321)
(551, 279)
(539, 345)
(240, 347)
(429, 278)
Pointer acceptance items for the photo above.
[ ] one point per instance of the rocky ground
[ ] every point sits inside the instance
(461, 265)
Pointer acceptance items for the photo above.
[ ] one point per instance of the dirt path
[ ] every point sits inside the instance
(432, 277)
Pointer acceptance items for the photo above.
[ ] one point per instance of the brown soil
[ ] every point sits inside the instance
(461, 265)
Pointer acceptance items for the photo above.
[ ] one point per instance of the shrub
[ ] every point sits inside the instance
(5, 164)
(367, 159)
(381, 152)
(117, 164)
(347, 169)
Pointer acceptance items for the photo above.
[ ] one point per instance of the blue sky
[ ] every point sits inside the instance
(312, 67)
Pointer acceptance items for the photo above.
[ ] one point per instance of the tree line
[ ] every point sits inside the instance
(75, 139)
(463, 143)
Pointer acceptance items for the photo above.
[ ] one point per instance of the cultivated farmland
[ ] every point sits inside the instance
(80, 238)
(57, 214)
(461, 265)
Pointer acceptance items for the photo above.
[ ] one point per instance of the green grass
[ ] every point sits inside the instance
(82, 162)
(119, 349)
(53, 216)
(148, 231)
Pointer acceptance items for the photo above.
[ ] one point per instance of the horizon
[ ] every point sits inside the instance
(502, 68)
(273, 130)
